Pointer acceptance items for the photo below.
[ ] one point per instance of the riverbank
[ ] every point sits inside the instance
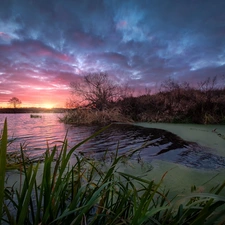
(210, 135)
(177, 104)
(178, 178)
(32, 110)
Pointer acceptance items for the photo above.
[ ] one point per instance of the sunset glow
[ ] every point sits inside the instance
(48, 106)
(45, 45)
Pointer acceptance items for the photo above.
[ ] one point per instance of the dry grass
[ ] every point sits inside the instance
(91, 117)
(189, 106)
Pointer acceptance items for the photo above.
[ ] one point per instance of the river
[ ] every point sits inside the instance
(190, 154)
(34, 134)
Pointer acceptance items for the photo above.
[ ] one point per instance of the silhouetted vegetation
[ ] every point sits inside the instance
(15, 102)
(97, 90)
(32, 110)
(175, 102)
(178, 103)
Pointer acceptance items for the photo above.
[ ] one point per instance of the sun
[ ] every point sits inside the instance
(48, 106)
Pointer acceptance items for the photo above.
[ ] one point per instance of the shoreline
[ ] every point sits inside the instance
(201, 134)
(31, 110)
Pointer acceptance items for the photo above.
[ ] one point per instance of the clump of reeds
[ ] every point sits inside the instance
(3, 150)
(180, 103)
(13, 158)
(83, 116)
(85, 193)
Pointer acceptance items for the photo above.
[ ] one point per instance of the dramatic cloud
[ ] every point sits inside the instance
(44, 45)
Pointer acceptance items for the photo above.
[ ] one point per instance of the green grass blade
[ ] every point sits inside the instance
(27, 198)
(3, 150)
(220, 188)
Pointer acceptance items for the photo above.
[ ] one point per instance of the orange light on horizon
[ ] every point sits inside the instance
(48, 105)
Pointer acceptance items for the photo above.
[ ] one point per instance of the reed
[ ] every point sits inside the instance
(82, 116)
(91, 192)
(3, 149)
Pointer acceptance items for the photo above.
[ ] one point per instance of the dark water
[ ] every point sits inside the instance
(146, 144)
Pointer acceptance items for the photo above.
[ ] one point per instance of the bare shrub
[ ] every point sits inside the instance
(98, 90)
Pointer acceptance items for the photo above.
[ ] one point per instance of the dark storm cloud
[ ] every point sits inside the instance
(136, 41)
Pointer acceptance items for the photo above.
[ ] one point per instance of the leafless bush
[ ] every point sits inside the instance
(98, 90)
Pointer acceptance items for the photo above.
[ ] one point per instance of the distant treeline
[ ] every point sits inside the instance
(32, 110)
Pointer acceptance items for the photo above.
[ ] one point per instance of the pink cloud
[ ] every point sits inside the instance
(5, 36)
(30, 49)
(45, 52)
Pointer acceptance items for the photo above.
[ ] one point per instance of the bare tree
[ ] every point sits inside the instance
(98, 90)
(14, 101)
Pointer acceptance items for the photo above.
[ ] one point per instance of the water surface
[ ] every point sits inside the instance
(154, 144)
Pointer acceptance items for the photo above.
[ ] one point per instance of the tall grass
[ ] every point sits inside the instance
(3, 149)
(89, 192)
(84, 116)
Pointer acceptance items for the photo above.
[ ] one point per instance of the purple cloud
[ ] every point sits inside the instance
(44, 45)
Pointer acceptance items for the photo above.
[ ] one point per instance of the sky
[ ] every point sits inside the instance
(46, 44)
